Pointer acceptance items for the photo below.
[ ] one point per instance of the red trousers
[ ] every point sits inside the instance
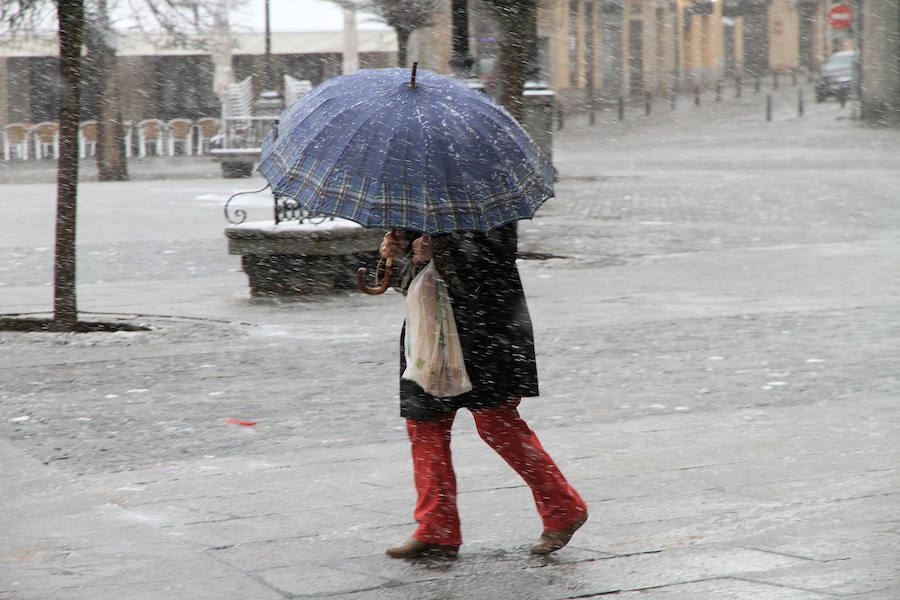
(558, 504)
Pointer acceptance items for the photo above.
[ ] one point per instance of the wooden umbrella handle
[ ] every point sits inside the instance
(379, 288)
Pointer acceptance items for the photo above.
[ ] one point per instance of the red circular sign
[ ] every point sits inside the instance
(840, 16)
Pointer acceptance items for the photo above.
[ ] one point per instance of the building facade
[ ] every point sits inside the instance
(160, 81)
(600, 50)
(587, 51)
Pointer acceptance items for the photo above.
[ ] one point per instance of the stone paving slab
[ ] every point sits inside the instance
(62, 542)
(292, 526)
(725, 588)
(717, 347)
(847, 577)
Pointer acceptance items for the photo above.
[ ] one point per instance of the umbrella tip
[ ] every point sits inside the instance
(412, 77)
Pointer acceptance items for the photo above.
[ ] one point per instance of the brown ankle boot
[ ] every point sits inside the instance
(413, 548)
(551, 541)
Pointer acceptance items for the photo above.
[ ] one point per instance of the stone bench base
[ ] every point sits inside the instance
(291, 259)
(236, 162)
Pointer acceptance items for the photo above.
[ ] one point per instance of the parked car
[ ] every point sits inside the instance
(837, 76)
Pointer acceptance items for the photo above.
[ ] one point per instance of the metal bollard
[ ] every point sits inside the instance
(768, 107)
(621, 108)
(559, 117)
(718, 91)
(696, 95)
(737, 86)
(800, 103)
(647, 101)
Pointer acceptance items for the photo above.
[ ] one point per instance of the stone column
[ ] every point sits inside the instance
(4, 92)
(351, 53)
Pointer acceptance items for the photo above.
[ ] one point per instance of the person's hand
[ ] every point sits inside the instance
(422, 249)
(394, 245)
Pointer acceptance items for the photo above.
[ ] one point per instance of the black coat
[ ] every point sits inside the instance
(493, 323)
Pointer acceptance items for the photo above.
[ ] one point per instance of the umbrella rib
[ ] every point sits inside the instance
(309, 139)
(432, 139)
(287, 158)
(367, 151)
(350, 140)
(474, 131)
(497, 117)
(426, 142)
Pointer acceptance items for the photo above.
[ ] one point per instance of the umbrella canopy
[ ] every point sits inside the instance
(433, 158)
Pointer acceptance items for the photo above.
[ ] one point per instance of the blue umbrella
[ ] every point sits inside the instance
(430, 155)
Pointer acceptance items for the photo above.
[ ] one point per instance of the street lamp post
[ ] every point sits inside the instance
(533, 77)
(268, 81)
(538, 100)
(270, 101)
(461, 60)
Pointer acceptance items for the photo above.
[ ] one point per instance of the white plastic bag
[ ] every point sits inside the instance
(434, 357)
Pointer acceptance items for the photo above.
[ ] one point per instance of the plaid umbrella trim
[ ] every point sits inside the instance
(480, 206)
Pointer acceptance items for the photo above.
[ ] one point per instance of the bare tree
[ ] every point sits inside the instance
(23, 16)
(100, 72)
(76, 29)
(404, 16)
(71, 23)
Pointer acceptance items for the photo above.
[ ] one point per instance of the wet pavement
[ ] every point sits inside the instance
(717, 333)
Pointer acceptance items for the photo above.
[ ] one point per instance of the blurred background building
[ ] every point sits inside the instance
(587, 51)
(163, 82)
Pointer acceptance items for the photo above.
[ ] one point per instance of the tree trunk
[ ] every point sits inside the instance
(879, 80)
(516, 20)
(402, 47)
(111, 163)
(71, 23)
(101, 58)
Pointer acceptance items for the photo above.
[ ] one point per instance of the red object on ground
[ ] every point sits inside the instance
(240, 421)
(558, 504)
(840, 16)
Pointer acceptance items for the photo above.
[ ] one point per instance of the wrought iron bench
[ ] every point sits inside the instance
(297, 253)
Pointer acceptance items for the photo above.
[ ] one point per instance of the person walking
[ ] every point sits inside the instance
(497, 343)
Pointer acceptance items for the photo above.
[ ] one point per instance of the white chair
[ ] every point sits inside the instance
(180, 131)
(206, 128)
(87, 139)
(151, 133)
(15, 140)
(128, 128)
(46, 139)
